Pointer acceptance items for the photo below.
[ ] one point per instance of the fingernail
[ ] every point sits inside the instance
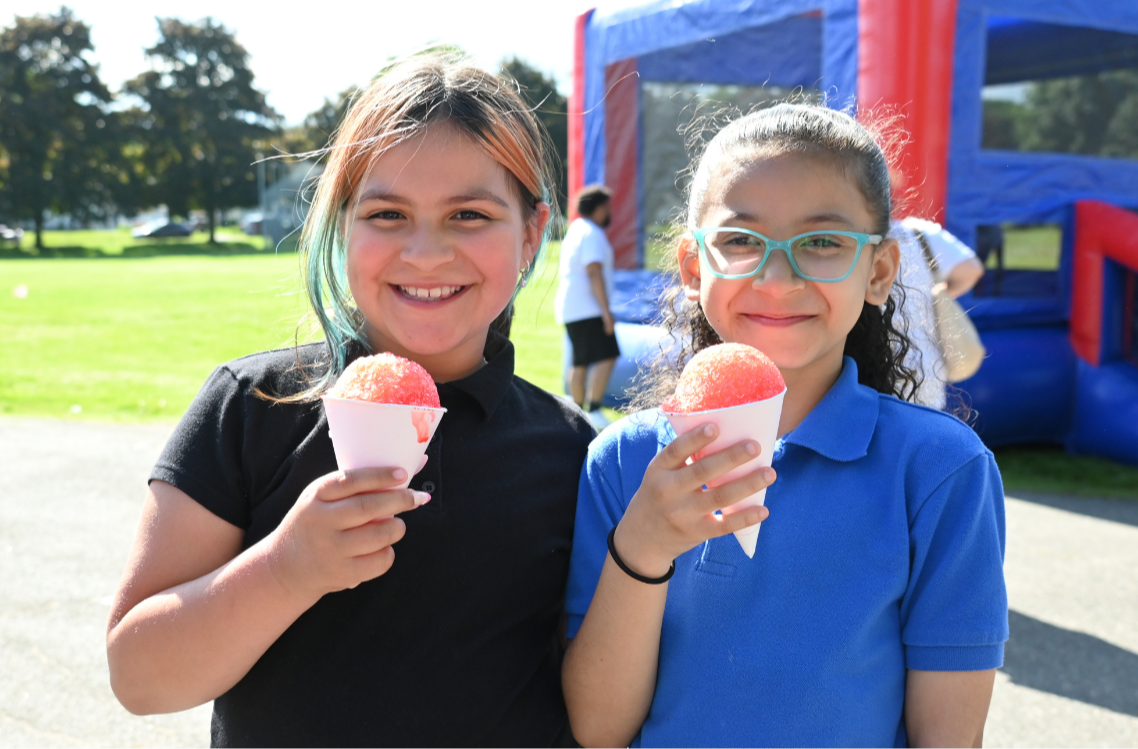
(752, 448)
(708, 430)
(422, 498)
(399, 474)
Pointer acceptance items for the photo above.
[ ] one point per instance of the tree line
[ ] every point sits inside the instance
(185, 133)
(1092, 115)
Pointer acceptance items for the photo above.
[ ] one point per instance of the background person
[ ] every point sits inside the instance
(584, 289)
(960, 269)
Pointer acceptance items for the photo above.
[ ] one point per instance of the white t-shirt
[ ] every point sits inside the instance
(918, 310)
(584, 243)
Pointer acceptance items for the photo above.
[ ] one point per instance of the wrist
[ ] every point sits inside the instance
(639, 556)
(273, 557)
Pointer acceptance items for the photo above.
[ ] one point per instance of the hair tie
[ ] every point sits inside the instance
(636, 575)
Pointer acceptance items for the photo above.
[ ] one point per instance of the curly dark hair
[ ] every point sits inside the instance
(879, 341)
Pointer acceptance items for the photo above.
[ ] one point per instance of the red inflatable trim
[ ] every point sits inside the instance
(905, 55)
(622, 125)
(576, 154)
(1101, 231)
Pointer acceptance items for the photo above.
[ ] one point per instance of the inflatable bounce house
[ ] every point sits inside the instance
(1062, 336)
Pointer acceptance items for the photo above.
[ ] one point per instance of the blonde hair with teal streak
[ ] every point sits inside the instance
(401, 103)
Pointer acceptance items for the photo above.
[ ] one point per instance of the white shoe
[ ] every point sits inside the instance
(598, 419)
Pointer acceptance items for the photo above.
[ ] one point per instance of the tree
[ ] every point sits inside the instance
(1092, 115)
(551, 109)
(60, 147)
(316, 131)
(1077, 114)
(203, 123)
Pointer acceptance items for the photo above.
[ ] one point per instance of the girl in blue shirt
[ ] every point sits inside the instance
(874, 611)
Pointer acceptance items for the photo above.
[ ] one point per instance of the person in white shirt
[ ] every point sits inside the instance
(582, 301)
(960, 269)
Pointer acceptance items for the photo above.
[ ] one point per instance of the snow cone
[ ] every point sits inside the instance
(737, 388)
(382, 412)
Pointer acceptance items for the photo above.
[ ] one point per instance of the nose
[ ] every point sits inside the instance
(777, 277)
(427, 248)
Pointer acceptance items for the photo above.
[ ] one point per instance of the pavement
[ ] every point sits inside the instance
(70, 494)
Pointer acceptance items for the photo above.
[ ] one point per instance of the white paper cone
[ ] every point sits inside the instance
(380, 435)
(755, 421)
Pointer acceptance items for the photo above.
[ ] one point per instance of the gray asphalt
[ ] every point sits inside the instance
(70, 494)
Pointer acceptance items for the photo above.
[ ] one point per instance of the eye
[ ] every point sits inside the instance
(469, 214)
(824, 242)
(739, 240)
(384, 214)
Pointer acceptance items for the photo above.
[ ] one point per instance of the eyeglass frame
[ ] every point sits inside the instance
(787, 247)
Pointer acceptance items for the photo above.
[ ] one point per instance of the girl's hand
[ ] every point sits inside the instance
(672, 513)
(341, 530)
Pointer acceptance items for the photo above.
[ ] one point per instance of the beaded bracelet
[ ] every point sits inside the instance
(636, 575)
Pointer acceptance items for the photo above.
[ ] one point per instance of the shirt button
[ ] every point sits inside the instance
(428, 486)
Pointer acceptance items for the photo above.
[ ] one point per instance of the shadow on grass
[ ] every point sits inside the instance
(1071, 664)
(1048, 469)
(1115, 510)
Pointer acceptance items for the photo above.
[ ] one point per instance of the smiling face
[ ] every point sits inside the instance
(435, 247)
(801, 325)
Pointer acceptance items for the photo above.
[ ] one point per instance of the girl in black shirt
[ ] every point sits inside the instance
(268, 581)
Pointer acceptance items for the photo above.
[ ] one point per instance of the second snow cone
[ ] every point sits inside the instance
(382, 412)
(737, 388)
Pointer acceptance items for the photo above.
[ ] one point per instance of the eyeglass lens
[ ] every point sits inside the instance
(816, 254)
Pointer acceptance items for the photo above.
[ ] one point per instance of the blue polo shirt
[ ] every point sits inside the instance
(883, 552)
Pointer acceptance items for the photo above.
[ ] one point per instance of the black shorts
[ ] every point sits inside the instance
(590, 342)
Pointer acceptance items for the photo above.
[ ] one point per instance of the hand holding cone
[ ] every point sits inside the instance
(737, 388)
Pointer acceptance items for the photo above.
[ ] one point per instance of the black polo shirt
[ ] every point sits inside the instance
(456, 645)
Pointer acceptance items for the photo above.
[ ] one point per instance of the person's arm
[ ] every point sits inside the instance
(193, 613)
(963, 276)
(956, 604)
(609, 674)
(960, 268)
(597, 282)
(947, 708)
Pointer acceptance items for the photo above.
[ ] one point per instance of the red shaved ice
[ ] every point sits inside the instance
(387, 378)
(723, 376)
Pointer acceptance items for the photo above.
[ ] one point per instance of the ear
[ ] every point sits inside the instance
(687, 255)
(886, 263)
(535, 228)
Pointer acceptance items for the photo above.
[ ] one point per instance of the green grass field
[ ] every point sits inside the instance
(1030, 248)
(118, 243)
(116, 337)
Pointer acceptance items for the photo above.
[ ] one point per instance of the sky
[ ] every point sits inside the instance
(300, 57)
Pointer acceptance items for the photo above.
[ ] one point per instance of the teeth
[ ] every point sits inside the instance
(437, 292)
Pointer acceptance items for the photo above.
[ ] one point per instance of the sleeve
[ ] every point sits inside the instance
(203, 455)
(594, 247)
(954, 615)
(600, 506)
(947, 249)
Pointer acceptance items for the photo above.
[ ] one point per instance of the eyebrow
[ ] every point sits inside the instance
(821, 218)
(467, 197)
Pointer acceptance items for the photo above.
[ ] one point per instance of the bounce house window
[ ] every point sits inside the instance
(673, 115)
(1019, 260)
(688, 91)
(1060, 89)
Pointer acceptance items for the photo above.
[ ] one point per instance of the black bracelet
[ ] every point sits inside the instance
(635, 575)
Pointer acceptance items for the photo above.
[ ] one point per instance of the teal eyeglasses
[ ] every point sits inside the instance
(824, 256)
